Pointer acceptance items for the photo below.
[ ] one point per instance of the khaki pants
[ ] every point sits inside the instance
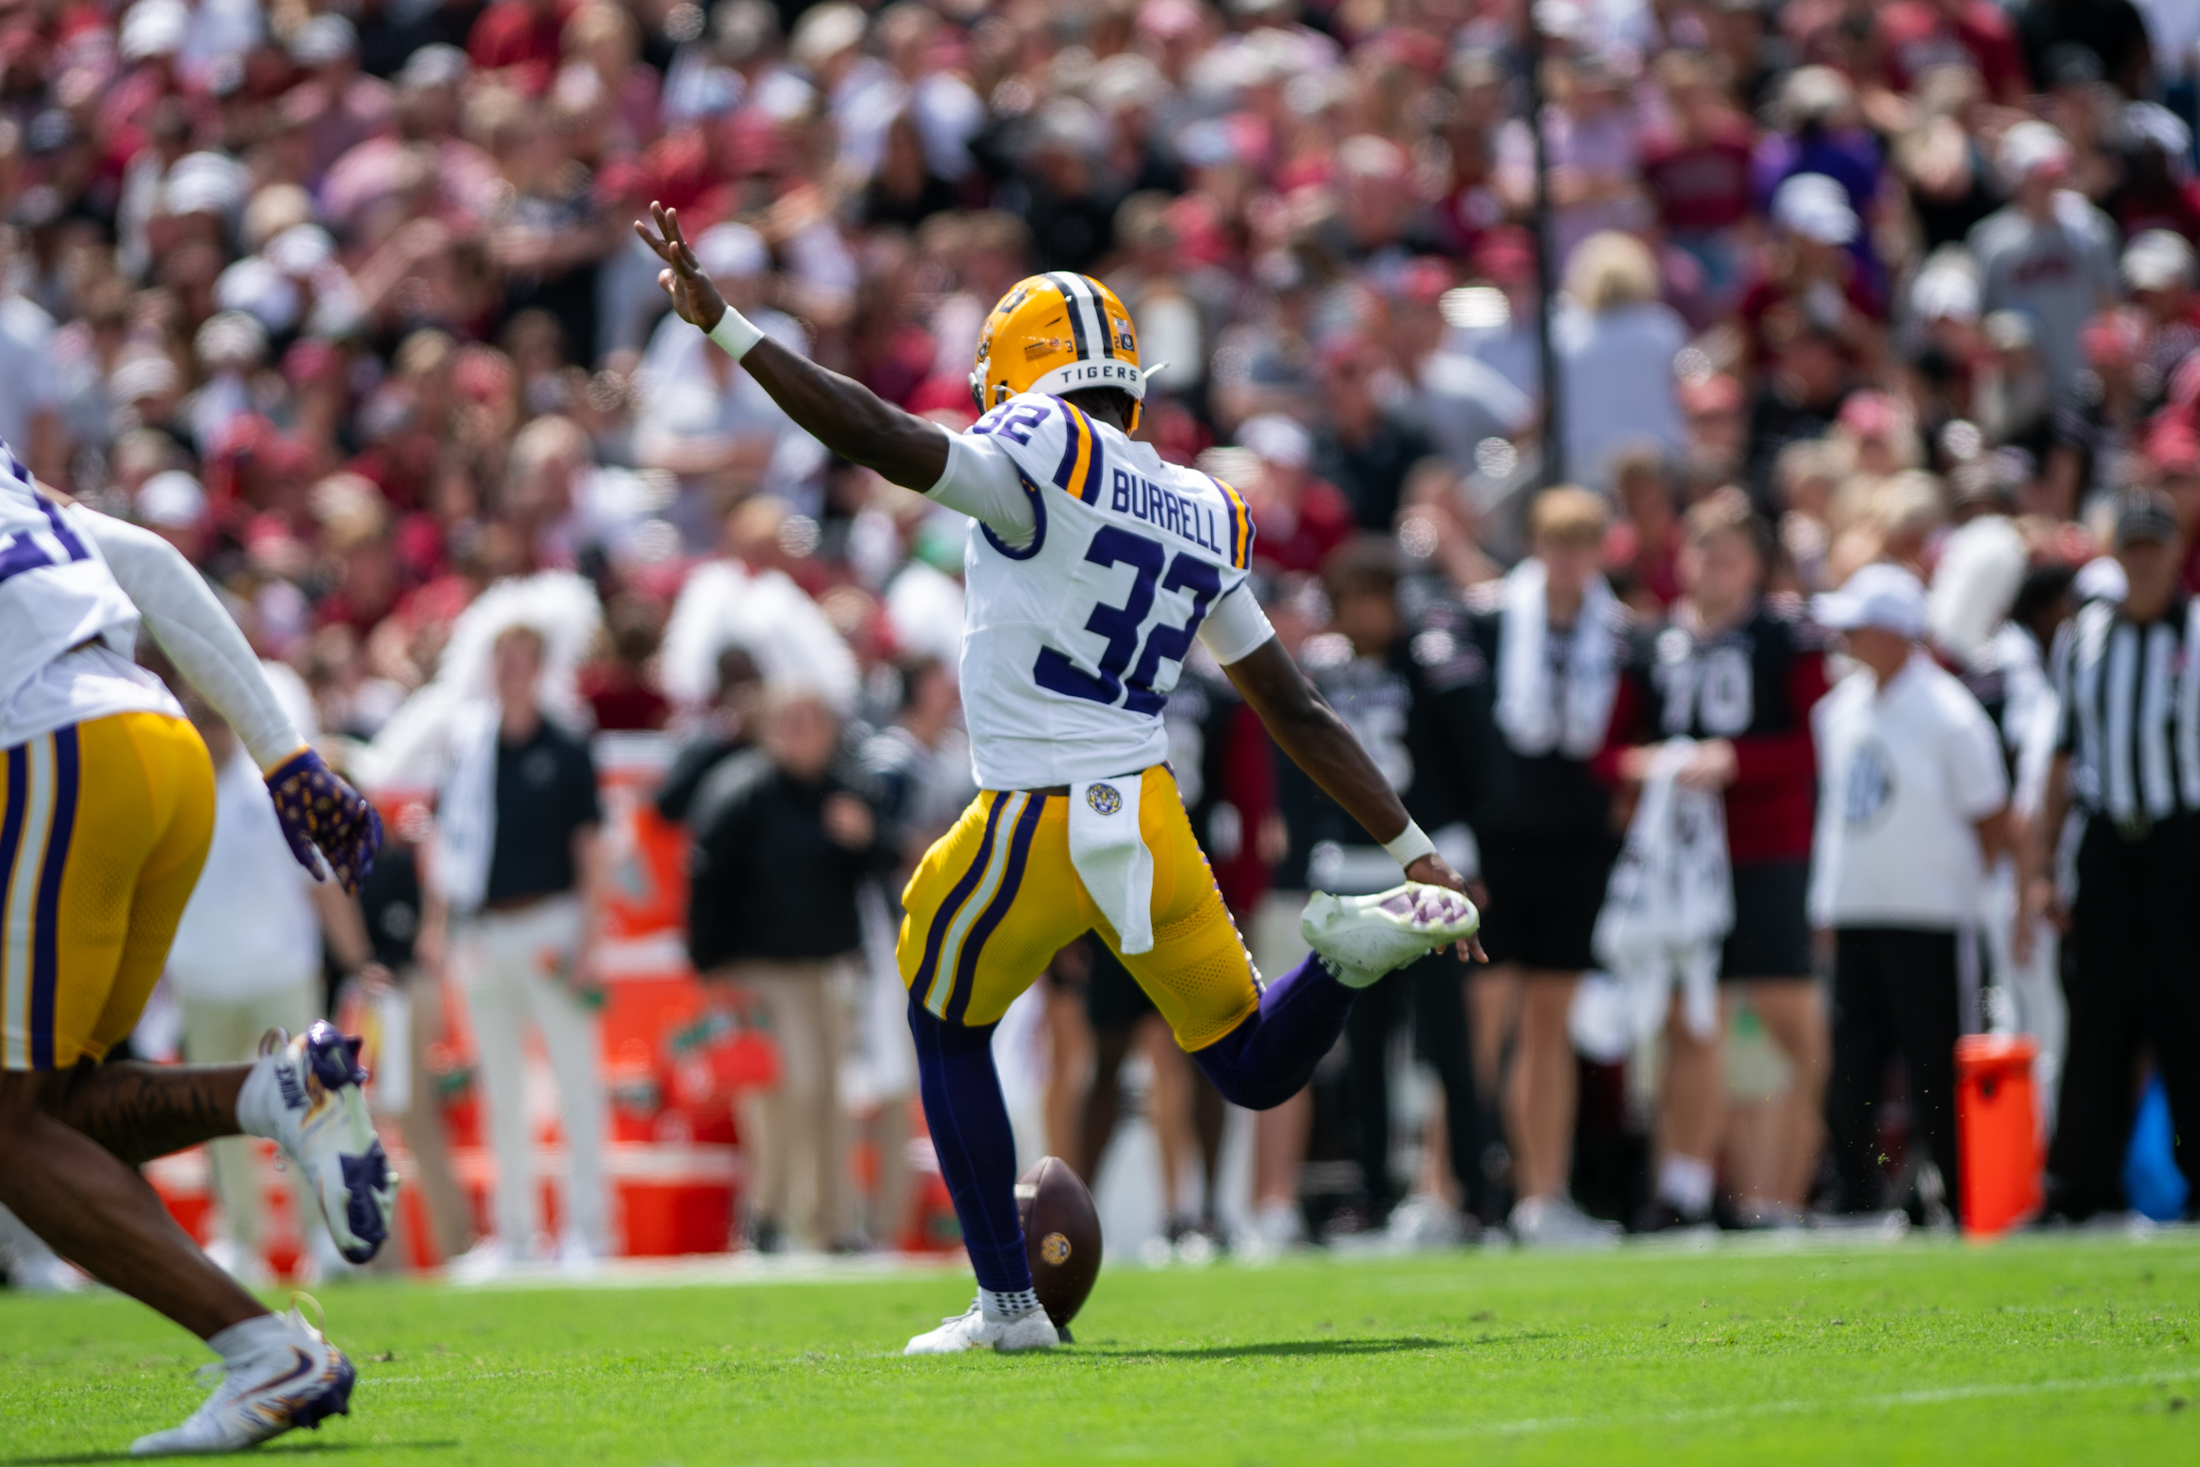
(225, 1031)
(796, 1132)
(507, 965)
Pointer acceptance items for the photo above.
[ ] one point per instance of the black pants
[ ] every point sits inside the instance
(1432, 995)
(2133, 982)
(1896, 990)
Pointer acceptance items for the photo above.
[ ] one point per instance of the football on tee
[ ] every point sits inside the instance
(1062, 1236)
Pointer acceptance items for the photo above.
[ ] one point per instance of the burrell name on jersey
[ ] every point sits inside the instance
(1092, 567)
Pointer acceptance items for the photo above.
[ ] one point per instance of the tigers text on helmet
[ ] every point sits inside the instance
(1057, 333)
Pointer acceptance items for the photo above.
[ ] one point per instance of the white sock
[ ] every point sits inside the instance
(1007, 1303)
(243, 1341)
(260, 1102)
(1686, 1182)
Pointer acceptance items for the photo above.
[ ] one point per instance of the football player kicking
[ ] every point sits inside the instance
(106, 809)
(1091, 568)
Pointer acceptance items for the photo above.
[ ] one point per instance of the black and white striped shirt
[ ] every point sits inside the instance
(2130, 717)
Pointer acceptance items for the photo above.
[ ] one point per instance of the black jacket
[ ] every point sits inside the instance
(764, 879)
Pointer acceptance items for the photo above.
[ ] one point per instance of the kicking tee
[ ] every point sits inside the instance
(1092, 566)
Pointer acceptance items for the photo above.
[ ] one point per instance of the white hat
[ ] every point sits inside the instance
(1879, 595)
(2157, 259)
(1945, 291)
(153, 28)
(255, 286)
(1816, 207)
(1276, 438)
(203, 183)
(437, 64)
(143, 374)
(171, 501)
(322, 39)
(732, 251)
(824, 31)
(231, 338)
(301, 249)
(2029, 147)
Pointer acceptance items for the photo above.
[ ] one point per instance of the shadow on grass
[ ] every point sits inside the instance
(1276, 1349)
(65, 1459)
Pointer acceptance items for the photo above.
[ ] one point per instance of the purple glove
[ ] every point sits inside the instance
(322, 814)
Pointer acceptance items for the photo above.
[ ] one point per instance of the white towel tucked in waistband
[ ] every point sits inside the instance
(1111, 858)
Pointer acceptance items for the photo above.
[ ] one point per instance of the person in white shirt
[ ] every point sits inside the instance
(1913, 807)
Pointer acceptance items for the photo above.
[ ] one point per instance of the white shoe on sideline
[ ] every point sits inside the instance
(31, 1266)
(1424, 1223)
(1554, 1222)
(484, 1263)
(241, 1263)
(295, 1382)
(1276, 1227)
(324, 1129)
(971, 1330)
(1364, 937)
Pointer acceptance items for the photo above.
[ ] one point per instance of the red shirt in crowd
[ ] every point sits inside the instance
(1753, 685)
(1920, 35)
(1703, 185)
(1284, 542)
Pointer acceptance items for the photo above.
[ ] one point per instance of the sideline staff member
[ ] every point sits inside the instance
(2128, 755)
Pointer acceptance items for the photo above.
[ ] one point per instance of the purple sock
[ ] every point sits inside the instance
(1270, 1056)
(977, 1150)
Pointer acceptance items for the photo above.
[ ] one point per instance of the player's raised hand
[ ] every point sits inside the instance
(1434, 870)
(693, 296)
(324, 818)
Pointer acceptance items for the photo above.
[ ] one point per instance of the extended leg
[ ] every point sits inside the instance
(1271, 1054)
(98, 1213)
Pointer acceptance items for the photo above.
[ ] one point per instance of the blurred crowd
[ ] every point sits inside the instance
(340, 297)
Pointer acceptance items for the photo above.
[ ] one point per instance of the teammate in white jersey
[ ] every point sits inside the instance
(106, 810)
(1092, 567)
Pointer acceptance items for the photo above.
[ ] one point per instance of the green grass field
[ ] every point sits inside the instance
(2034, 1351)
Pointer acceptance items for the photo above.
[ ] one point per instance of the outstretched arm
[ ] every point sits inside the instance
(842, 414)
(1318, 741)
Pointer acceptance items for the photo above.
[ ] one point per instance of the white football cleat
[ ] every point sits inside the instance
(1364, 937)
(1555, 1222)
(298, 1381)
(324, 1128)
(971, 1330)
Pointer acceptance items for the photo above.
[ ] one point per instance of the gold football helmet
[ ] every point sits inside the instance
(1057, 333)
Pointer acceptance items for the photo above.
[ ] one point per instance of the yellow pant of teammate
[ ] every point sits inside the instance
(996, 897)
(103, 828)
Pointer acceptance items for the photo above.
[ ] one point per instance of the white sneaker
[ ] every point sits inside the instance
(484, 1263)
(1554, 1222)
(1277, 1227)
(294, 1383)
(971, 1330)
(31, 1266)
(324, 1128)
(241, 1263)
(1424, 1223)
(1364, 937)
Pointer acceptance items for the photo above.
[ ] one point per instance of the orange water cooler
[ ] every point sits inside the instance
(1997, 1124)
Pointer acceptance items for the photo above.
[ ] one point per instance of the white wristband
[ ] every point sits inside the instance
(736, 333)
(1410, 845)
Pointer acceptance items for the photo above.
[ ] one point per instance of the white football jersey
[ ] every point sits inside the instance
(67, 630)
(1076, 623)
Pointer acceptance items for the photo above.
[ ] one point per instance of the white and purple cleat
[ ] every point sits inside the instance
(324, 1128)
(299, 1380)
(1361, 938)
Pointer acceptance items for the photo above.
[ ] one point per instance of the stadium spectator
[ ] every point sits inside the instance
(513, 912)
(783, 842)
(1913, 806)
(1616, 344)
(1550, 636)
(1738, 675)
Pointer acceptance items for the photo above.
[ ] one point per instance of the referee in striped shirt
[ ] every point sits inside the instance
(2127, 756)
